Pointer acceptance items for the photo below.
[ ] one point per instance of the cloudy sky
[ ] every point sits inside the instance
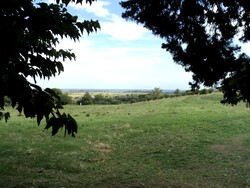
(122, 55)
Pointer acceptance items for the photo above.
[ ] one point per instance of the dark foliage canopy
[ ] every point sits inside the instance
(29, 33)
(204, 36)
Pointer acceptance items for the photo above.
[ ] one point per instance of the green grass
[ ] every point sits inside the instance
(190, 141)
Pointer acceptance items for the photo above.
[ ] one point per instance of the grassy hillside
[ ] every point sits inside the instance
(190, 141)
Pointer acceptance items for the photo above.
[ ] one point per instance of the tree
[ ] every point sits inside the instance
(177, 92)
(63, 99)
(156, 93)
(30, 33)
(203, 36)
(100, 99)
(86, 99)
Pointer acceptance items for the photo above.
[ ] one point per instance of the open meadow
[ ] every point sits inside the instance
(189, 141)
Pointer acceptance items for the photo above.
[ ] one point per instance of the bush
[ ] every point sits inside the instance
(155, 94)
(64, 97)
(86, 99)
(205, 91)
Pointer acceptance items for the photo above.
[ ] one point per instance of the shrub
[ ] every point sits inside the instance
(64, 97)
(86, 99)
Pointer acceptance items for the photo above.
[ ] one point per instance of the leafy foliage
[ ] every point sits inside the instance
(30, 33)
(86, 99)
(5, 116)
(63, 99)
(155, 94)
(201, 37)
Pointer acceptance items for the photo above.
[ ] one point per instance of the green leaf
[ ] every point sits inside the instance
(71, 126)
(39, 118)
(6, 116)
(52, 93)
(36, 87)
(50, 122)
(59, 106)
(56, 126)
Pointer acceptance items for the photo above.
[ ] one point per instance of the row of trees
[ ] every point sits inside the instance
(157, 93)
(88, 99)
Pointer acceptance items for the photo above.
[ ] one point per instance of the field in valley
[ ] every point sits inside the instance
(189, 141)
(78, 94)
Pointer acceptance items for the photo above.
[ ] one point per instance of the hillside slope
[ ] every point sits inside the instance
(190, 141)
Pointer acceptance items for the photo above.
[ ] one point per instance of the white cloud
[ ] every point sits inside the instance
(117, 57)
(122, 30)
(112, 24)
(119, 67)
(246, 48)
(98, 8)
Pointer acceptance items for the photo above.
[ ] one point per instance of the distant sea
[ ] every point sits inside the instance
(117, 90)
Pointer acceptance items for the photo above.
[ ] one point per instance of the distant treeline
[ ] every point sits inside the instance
(88, 99)
(155, 94)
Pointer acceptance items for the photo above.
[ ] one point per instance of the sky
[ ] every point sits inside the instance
(122, 55)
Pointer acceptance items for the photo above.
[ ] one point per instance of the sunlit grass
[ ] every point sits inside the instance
(190, 141)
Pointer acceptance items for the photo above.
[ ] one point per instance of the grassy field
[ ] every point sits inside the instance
(190, 141)
(76, 94)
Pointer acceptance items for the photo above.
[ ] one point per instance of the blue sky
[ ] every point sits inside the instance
(122, 55)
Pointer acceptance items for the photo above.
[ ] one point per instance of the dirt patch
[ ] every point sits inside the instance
(106, 148)
(234, 146)
(121, 126)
